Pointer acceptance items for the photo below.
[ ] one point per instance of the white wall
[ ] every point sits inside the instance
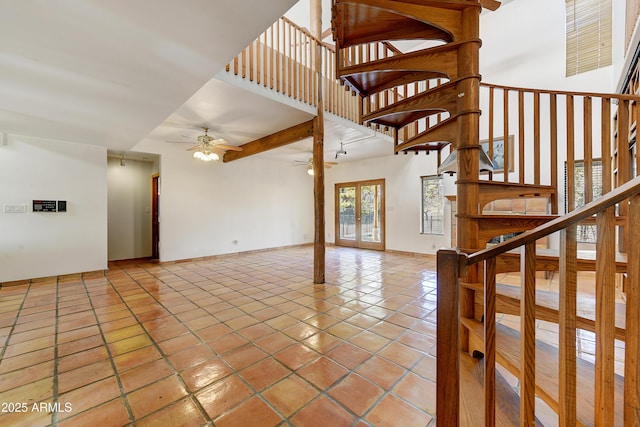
(129, 209)
(43, 244)
(523, 44)
(403, 199)
(217, 208)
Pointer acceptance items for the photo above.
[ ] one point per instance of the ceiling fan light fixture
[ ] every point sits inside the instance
(310, 170)
(205, 155)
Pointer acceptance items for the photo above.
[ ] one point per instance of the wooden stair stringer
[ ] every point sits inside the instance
(508, 355)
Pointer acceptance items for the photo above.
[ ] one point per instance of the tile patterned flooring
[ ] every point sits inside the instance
(242, 340)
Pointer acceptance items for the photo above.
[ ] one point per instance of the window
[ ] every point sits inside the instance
(588, 35)
(432, 205)
(585, 233)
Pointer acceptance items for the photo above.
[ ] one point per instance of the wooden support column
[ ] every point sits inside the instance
(468, 146)
(318, 153)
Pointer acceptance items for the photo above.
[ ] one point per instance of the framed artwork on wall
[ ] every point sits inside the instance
(498, 153)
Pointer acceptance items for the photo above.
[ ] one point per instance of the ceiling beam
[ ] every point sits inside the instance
(275, 140)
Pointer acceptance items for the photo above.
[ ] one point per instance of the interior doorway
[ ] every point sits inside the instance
(155, 216)
(359, 214)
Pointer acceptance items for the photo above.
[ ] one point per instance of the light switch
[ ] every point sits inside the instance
(15, 208)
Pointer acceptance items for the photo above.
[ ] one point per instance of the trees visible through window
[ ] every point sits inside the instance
(432, 205)
(585, 233)
(588, 35)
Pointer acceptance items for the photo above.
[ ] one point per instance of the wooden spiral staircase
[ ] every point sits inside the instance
(430, 99)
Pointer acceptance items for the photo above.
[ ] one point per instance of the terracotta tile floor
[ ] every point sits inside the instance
(243, 340)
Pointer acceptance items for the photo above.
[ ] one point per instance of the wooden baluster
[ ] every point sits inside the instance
(587, 149)
(294, 63)
(567, 327)
(290, 49)
(254, 63)
(276, 53)
(527, 334)
(553, 130)
(265, 59)
(632, 321)
(571, 193)
(490, 342)
(623, 166)
(272, 49)
(448, 339)
(536, 138)
(521, 160)
(491, 118)
(306, 68)
(605, 317)
(244, 63)
(606, 145)
(236, 66)
(505, 134)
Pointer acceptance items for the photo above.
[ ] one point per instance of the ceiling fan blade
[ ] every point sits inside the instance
(490, 4)
(194, 148)
(180, 142)
(330, 163)
(228, 147)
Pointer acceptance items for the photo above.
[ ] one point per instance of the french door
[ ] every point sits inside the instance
(360, 214)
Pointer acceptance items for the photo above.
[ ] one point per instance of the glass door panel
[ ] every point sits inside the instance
(360, 214)
(347, 213)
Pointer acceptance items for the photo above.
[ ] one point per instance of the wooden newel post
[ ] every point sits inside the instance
(448, 338)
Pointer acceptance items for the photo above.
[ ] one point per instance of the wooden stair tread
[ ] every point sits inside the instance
(355, 24)
(374, 76)
(403, 112)
(438, 135)
(547, 303)
(548, 260)
(547, 372)
(472, 387)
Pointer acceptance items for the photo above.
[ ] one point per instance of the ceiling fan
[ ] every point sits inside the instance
(309, 164)
(208, 147)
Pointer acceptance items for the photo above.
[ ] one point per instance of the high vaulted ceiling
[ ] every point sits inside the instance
(109, 72)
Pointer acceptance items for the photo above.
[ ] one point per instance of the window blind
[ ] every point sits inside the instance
(588, 35)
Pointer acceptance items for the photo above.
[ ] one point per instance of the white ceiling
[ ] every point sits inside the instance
(108, 72)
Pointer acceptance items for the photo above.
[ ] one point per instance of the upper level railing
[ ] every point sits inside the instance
(452, 265)
(283, 59)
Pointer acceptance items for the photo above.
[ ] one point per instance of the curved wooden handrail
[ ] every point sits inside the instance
(621, 193)
(563, 92)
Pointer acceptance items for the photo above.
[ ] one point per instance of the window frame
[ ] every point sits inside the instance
(423, 212)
